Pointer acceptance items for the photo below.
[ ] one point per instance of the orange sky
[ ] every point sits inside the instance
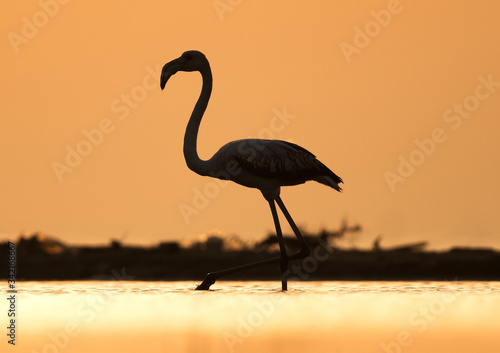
(365, 85)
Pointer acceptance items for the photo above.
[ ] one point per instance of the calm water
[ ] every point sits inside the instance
(94, 316)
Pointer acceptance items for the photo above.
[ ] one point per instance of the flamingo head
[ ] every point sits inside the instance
(191, 60)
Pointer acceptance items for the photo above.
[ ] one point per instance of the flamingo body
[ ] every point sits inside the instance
(270, 164)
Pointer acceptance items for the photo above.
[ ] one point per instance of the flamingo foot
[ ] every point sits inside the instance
(207, 282)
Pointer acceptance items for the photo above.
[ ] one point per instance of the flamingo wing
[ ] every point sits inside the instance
(281, 160)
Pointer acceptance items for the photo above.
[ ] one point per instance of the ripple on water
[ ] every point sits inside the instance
(247, 287)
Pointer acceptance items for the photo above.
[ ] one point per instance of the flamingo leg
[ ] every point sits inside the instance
(211, 277)
(284, 256)
(305, 251)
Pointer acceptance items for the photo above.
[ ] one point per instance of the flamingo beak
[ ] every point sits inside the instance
(170, 69)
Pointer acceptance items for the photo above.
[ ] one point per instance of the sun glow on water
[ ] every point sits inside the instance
(250, 316)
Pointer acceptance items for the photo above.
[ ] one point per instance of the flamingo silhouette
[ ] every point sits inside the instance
(266, 165)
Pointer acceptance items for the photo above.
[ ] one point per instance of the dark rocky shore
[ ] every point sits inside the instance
(45, 258)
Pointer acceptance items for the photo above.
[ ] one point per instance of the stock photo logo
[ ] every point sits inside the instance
(92, 138)
(223, 6)
(32, 25)
(364, 35)
(247, 325)
(86, 311)
(454, 117)
(420, 320)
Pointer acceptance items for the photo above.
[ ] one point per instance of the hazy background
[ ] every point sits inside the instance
(79, 66)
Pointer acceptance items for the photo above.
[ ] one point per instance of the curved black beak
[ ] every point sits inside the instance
(170, 69)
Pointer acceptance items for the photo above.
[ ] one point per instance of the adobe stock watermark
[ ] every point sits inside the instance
(364, 35)
(247, 324)
(32, 25)
(223, 6)
(202, 197)
(121, 107)
(88, 310)
(420, 320)
(454, 118)
(309, 264)
(263, 310)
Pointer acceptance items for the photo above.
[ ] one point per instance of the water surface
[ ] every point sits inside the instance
(133, 316)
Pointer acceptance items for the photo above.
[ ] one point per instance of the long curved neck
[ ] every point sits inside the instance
(190, 138)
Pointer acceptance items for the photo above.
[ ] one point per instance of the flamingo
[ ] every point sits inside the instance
(266, 165)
